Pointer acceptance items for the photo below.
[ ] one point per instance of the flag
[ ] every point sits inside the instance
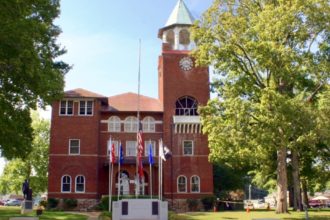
(111, 151)
(161, 151)
(151, 159)
(121, 155)
(140, 150)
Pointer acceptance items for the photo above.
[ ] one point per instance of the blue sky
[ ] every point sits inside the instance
(102, 39)
(102, 42)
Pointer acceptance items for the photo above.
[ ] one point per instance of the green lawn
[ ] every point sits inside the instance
(235, 215)
(7, 212)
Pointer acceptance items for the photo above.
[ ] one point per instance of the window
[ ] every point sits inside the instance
(116, 144)
(114, 124)
(182, 184)
(131, 124)
(74, 147)
(187, 147)
(66, 107)
(80, 184)
(195, 183)
(146, 148)
(186, 106)
(148, 124)
(130, 148)
(86, 108)
(66, 184)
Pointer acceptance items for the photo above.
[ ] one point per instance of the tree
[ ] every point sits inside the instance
(270, 63)
(34, 167)
(30, 72)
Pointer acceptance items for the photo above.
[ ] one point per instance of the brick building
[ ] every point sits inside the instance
(83, 122)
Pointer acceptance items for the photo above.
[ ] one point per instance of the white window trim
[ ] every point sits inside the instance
(192, 148)
(131, 125)
(147, 122)
(199, 184)
(62, 183)
(77, 183)
(86, 100)
(119, 122)
(126, 147)
(70, 147)
(177, 184)
(66, 107)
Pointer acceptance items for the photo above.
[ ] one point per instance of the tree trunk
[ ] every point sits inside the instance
(305, 195)
(282, 204)
(296, 182)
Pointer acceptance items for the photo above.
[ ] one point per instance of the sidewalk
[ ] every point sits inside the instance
(91, 215)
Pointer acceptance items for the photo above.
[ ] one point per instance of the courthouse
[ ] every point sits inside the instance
(83, 122)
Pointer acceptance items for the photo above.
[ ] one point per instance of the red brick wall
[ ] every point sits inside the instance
(63, 128)
(177, 83)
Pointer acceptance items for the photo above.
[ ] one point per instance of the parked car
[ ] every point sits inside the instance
(2, 202)
(314, 203)
(13, 202)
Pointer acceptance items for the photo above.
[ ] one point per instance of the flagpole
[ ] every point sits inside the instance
(138, 118)
(119, 163)
(159, 169)
(110, 198)
(110, 182)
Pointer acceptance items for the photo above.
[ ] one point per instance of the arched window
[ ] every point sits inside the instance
(170, 37)
(80, 184)
(186, 106)
(182, 184)
(184, 38)
(66, 184)
(114, 124)
(195, 184)
(148, 124)
(131, 124)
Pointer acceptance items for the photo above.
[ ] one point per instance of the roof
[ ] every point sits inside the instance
(129, 102)
(82, 93)
(180, 15)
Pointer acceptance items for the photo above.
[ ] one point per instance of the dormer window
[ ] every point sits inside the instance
(86, 108)
(66, 107)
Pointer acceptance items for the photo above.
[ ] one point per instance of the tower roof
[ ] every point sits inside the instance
(180, 15)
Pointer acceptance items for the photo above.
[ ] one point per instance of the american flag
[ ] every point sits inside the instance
(111, 150)
(140, 150)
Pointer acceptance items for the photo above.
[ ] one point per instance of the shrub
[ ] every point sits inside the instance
(52, 203)
(104, 203)
(43, 203)
(192, 204)
(208, 202)
(70, 203)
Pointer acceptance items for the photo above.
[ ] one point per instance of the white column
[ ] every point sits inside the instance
(176, 38)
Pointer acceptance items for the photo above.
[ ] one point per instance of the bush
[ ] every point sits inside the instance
(43, 203)
(104, 203)
(192, 204)
(52, 203)
(105, 216)
(208, 202)
(70, 203)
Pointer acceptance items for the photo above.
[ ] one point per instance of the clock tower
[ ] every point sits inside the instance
(182, 88)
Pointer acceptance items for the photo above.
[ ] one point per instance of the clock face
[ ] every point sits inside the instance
(186, 63)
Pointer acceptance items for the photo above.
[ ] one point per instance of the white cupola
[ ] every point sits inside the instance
(176, 31)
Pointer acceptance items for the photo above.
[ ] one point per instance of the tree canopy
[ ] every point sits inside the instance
(271, 61)
(31, 74)
(34, 167)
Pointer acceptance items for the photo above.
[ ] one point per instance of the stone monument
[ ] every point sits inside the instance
(27, 204)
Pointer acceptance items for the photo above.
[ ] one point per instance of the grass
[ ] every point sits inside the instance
(7, 212)
(240, 215)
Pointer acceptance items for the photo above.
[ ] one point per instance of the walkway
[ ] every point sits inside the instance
(91, 215)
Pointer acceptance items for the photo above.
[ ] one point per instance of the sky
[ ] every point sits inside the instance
(102, 42)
